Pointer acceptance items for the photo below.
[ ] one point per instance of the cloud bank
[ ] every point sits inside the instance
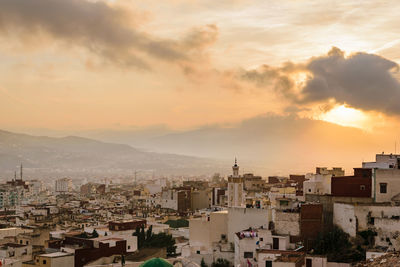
(106, 30)
(361, 80)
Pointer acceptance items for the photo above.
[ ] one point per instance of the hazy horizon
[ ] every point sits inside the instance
(245, 78)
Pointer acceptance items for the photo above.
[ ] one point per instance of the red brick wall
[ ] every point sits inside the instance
(311, 223)
(351, 186)
(86, 255)
(126, 225)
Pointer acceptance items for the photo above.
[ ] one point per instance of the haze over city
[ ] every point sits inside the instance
(199, 133)
(154, 74)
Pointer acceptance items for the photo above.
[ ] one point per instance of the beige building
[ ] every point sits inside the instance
(208, 229)
(208, 238)
(386, 186)
(243, 218)
(201, 199)
(56, 259)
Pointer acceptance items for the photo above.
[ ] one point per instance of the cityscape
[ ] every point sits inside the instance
(199, 133)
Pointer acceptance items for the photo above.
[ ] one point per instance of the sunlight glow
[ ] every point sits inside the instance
(346, 116)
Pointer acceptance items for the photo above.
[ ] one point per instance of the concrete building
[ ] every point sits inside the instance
(201, 199)
(335, 171)
(243, 218)
(178, 199)
(319, 184)
(218, 196)
(63, 185)
(383, 161)
(56, 259)
(249, 241)
(387, 185)
(253, 183)
(93, 188)
(356, 217)
(207, 237)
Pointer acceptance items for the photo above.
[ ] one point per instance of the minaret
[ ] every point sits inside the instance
(235, 169)
(235, 188)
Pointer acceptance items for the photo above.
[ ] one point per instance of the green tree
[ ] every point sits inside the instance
(95, 234)
(331, 241)
(142, 237)
(203, 263)
(83, 235)
(177, 223)
(221, 263)
(171, 248)
(149, 233)
(137, 232)
(337, 246)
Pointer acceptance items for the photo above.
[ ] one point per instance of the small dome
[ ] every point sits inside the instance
(156, 262)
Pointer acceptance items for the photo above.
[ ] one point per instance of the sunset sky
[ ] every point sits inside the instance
(72, 65)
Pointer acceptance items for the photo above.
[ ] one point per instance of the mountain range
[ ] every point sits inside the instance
(267, 145)
(77, 156)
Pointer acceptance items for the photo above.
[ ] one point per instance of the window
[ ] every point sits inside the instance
(129, 247)
(309, 190)
(261, 239)
(383, 188)
(268, 263)
(362, 187)
(308, 262)
(275, 243)
(44, 261)
(248, 255)
(198, 252)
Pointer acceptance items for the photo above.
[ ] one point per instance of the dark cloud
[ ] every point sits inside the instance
(103, 29)
(361, 80)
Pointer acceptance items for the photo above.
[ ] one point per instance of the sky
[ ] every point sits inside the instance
(80, 65)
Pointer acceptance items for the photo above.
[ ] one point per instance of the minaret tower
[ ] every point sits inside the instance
(235, 169)
(235, 188)
(21, 172)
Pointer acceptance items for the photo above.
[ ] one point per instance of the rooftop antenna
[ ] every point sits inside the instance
(395, 147)
(15, 175)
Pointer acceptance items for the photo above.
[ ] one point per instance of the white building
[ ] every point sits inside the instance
(248, 242)
(208, 238)
(386, 177)
(383, 219)
(169, 199)
(242, 218)
(63, 185)
(383, 161)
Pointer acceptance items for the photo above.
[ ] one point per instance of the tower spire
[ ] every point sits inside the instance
(235, 169)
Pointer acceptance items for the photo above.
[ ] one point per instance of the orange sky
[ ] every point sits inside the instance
(184, 64)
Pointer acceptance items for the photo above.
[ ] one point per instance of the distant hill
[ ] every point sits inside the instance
(266, 145)
(271, 144)
(73, 155)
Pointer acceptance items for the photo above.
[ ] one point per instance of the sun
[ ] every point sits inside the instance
(346, 116)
